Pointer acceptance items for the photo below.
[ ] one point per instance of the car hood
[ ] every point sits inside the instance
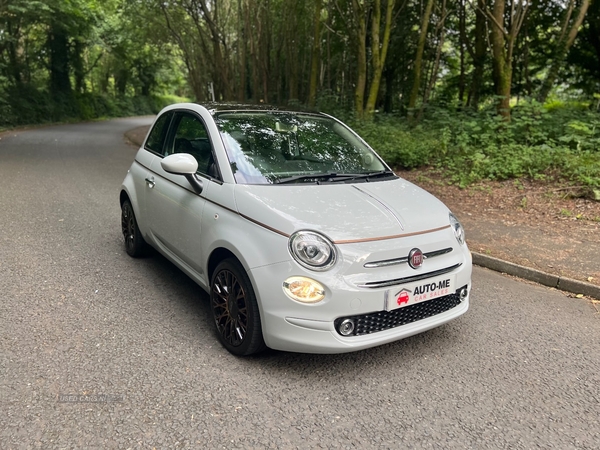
(343, 211)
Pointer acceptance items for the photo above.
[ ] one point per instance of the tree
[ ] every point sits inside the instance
(315, 57)
(591, 43)
(18, 20)
(505, 26)
(564, 43)
(478, 54)
(441, 33)
(360, 10)
(379, 49)
(414, 93)
(356, 17)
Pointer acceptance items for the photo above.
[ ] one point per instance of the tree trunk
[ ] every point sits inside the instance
(441, 28)
(463, 38)
(291, 37)
(14, 65)
(388, 99)
(563, 46)
(241, 43)
(478, 56)
(414, 93)
(58, 43)
(121, 77)
(220, 72)
(361, 60)
(593, 20)
(265, 51)
(253, 37)
(328, 62)
(501, 64)
(316, 54)
(378, 55)
(78, 69)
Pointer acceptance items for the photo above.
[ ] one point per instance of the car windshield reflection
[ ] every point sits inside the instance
(275, 147)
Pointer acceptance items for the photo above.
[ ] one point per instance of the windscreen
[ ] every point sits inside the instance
(270, 147)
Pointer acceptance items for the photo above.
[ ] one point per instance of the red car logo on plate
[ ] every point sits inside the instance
(402, 297)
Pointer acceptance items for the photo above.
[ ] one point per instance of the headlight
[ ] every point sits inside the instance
(459, 231)
(304, 289)
(312, 250)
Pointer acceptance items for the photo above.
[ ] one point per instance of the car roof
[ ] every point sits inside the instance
(246, 107)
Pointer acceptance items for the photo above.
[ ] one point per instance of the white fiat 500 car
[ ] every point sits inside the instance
(303, 237)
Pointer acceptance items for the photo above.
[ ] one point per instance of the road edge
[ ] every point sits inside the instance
(563, 283)
(134, 137)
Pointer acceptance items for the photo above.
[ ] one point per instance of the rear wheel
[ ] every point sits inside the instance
(235, 309)
(135, 245)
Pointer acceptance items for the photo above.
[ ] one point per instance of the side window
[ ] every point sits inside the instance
(191, 137)
(159, 131)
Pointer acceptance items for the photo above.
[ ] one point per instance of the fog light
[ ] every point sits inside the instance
(463, 294)
(346, 327)
(304, 290)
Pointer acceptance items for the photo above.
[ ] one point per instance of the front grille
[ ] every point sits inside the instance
(384, 320)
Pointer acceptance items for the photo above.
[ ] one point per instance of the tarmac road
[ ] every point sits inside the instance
(79, 317)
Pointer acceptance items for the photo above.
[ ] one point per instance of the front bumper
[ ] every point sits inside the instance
(292, 326)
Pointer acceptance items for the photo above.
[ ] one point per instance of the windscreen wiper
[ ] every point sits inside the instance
(316, 176)
(367, 176)
(334, 177)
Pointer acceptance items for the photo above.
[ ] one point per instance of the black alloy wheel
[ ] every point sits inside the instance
(134, 242)
(235, 310)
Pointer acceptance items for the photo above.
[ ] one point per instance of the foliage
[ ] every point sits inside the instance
(31, 106)
(563, 143)
(397, 144)
(81, 59)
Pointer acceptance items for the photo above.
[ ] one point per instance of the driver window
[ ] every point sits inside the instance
(191, 137)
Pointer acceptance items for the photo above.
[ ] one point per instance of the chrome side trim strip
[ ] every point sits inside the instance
(404, 259)
(423, 276)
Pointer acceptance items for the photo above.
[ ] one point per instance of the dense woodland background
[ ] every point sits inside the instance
(479, 88)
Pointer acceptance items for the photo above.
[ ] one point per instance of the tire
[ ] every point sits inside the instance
(135, 245)
(235, 309)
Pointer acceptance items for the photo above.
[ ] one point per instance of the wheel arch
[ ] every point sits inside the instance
(129, 192)
(216, 256)
(123, 196)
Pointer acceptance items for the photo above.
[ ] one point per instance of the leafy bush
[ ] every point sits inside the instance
(561, 143)
(397, 144)
(27, 106)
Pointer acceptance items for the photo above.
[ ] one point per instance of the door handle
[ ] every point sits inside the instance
(150, 181)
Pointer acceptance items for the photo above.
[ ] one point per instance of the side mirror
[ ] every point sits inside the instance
(183, 164)
(180, 164)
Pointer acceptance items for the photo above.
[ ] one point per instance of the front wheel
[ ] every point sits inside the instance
(135, 245)
(235, 309)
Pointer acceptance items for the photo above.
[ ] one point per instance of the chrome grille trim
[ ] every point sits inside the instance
(423, 276)
(386, 262)
(404, 259)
